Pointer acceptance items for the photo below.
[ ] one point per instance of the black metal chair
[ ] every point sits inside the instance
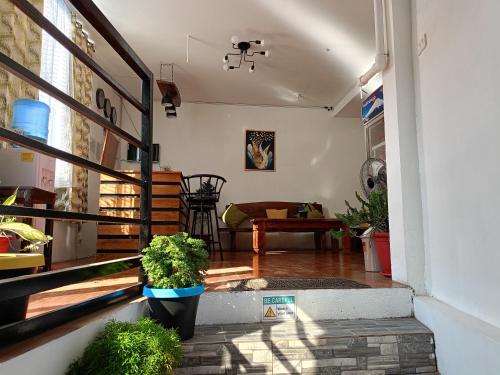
(203, 194)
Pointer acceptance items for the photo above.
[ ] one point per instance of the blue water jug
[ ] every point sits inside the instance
(31, 118)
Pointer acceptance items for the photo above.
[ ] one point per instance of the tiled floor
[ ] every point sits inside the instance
(236, 266)
(339, 347)
(299, 330)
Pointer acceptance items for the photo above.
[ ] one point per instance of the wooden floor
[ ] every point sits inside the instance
(236, 266)
(290, 263)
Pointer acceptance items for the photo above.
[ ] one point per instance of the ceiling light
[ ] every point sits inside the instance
(166, 101)
(243, 53)
(171, 112)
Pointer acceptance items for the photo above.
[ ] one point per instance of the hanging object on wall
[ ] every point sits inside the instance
(134, 154)
(373, 105)
(171, 97)
(107, 108)
(111, 143)
(105, 104)
(100, 97)
(243, 48)
(260, 150)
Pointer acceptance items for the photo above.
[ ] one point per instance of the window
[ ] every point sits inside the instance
(375, 138)
(56, 68)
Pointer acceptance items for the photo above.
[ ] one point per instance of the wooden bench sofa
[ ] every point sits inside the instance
(260, 224)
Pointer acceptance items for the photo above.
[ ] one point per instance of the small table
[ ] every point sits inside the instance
(318, 226)
(28, 196)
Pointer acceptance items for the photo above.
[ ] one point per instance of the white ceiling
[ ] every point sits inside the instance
(297, 32)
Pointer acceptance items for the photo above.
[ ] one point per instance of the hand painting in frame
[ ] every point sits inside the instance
(260, 150)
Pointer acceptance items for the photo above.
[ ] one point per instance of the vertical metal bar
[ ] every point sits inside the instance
(146, 167)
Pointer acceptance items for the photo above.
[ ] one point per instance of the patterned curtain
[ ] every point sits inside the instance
(21, 40)
(82, 91)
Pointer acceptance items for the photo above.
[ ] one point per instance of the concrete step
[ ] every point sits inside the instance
(311, 304)
(337, 347)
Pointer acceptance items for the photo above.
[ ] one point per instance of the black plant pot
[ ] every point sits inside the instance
(175, 308)
(14, 310)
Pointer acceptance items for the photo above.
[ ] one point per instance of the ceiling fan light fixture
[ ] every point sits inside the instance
(267, 53)
(234, 39)
(244, 54)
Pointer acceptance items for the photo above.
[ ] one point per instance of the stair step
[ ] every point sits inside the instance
(338, 347)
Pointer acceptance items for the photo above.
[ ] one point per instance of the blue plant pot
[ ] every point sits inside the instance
(175, 308)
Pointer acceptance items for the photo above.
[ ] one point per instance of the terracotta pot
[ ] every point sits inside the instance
(5, 243)
(383, 246)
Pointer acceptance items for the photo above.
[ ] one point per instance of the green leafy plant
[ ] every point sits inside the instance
(378, 210)
(8, 225)
(206, 188)
(374, 211)
(177, 261)
(123, 348)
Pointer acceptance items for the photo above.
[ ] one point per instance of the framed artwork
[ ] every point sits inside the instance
(260, 150)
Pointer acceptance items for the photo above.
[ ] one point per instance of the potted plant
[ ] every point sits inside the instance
(175, 267)
(12, 265)
(140, 348)
(374, 212)
(9, 226)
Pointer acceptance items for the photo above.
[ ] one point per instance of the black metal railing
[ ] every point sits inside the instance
(31, 284)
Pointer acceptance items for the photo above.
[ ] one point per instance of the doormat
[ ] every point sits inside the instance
(293, 283)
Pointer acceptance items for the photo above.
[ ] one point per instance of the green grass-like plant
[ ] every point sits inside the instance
(123, 348)
(177, 261)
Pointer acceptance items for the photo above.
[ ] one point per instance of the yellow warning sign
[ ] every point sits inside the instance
(269, 313)
(27, 156)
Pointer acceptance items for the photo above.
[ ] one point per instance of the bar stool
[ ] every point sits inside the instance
(203, 193)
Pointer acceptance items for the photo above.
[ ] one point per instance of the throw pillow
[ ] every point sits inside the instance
(233, 216)
(313, 212)
(277, 214)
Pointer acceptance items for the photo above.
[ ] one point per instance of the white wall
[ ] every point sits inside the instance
(457, 116)
(54, 357)
(317, 157)
(405, 202)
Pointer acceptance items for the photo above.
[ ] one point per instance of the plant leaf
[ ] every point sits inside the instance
(26, 232)
(10, 200)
